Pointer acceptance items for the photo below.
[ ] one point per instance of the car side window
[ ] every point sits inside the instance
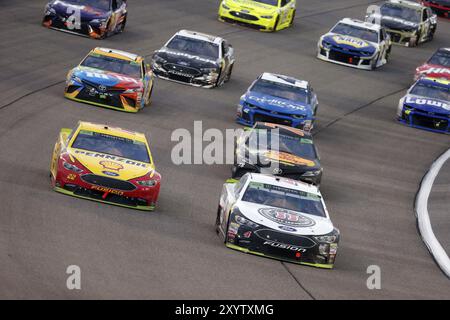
(114, 5)
(119, 3)
(284, 2)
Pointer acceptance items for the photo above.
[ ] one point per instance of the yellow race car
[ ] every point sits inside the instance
(264, 15)
(105, 164)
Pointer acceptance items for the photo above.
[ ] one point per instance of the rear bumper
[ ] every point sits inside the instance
(248, 20)
(258, 115)
(202, 81)
(87, 30)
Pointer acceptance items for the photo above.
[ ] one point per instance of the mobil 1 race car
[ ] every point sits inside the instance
(105, 164)
(112, 79)
(427, 105)
(264, 15)
(195, 58)
(355, 43)
(278, 99)
(408, 23)
(277, 218)
(438, 66)
(94, 18)
(440, 7)
(278, 150)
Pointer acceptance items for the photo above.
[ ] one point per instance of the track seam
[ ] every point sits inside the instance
(298, 281)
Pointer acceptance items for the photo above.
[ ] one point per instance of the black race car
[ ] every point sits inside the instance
(194, 58)
(277, 150)
(94, 18)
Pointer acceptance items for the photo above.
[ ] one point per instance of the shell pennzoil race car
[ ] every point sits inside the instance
(112, 79)
(94, 18)
(277, 218)
(427, 105)
(195, 58)
(440, 7)
(355, 43)
(264, 15)
(438, 66)
(105, 164)
(278, 150)
(408, 23)
(278, 99)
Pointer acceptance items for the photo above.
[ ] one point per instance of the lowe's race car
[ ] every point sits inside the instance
(278, 99)
(105, 164)
(195, 58)
(264, 15)
(94, 18)
(438, 66)
(440, 7)
(356, 44)
(408, 23)
(427, 105)
(112, 79)
(278, 150)
(277, 218)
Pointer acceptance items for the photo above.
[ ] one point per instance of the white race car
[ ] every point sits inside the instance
(278, 218)
(356, 44)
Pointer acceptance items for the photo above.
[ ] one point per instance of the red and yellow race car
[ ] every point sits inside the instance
(105, 164)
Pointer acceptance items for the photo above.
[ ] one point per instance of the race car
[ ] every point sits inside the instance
(93, 18)
(427, 105)
(112, 79)
(277, 218)
(264, 15)
(195, 58)
(278, 99)
(408, 23)
(438, 66)
(279, 150)
(439, 7)
(355, 43)
(105, 164)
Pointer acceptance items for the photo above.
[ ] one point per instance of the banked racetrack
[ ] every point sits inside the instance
(373, 167)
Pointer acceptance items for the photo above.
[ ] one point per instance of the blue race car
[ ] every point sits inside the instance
(278, 99)
(427, 105)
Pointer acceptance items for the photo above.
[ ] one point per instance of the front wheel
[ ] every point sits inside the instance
(292, 18)
(122, 26)
(228, 77)
(275, 26)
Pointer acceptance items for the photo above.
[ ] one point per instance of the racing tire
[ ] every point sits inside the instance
(275, 26)
(237, 172)
(218, 220)
(219, 82)
(149, 98)
(374, 63)
(292, 18)
(123, 25)
(228, 77)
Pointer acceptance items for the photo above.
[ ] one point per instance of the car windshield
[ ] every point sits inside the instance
(113, 145)
(269, 2)
(431, 91)
(125, 67)
(280, 90)
(357, 32)
(285, 198)
(441, 58)
(194, 47)
(273, 140)
(103, 5)
(400, 12)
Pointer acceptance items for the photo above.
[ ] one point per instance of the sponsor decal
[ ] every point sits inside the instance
(110, 157)
(107, 190)
(111, 174)
(286, 228)
(187, 55)
(436, 71)
(287, 217)
(350, 41)
(428, 102)
(284, 246)
(289, 158)
(110, 165)
(99, 75)
(276, 102)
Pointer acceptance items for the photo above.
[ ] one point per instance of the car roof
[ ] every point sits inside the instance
(361, 24)
(115, 131)
(200, 36)
(406, 3)
(119, 54)
(285, 130)
(290, 81)
(284, 182)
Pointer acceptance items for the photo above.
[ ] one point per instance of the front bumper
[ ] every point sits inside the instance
(345, 58)
(249, 20)
(251, 116)
(433, 122)
(194, 78)
(53, 21)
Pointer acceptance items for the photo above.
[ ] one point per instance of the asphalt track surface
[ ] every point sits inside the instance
(373, 167)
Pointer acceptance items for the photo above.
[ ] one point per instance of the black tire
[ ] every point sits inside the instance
(237, 172)
(374, 63)
(275, 26)
(292, 18)
(122, 26)
(149, 97)
(228, 77)
(218, 220)
(219, 82)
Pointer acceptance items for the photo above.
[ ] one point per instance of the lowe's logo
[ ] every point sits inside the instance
(428, 102)
(276, 102)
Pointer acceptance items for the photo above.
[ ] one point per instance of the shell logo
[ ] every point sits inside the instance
(110, 165)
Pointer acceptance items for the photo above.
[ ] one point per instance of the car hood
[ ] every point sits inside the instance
(186, 59)
(276, 104)
(350, 43)
(87, 13)
(398, 24)
(111, 166)
(298, 224)
(434, 71)
(106, 78)
(251, 6)
(427, 104)
(287, 160)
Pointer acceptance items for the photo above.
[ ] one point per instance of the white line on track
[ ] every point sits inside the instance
(423, 218)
